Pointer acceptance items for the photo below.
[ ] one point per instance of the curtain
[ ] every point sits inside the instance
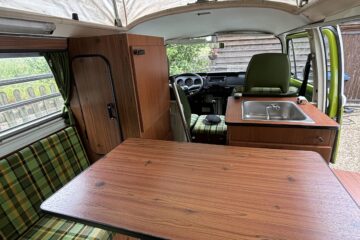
(60, 67)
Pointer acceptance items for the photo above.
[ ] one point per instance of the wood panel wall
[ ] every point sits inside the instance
(31, 44)
(140, 83)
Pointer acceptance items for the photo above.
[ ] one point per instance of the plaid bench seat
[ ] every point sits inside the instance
(215, 134)
(31, 175)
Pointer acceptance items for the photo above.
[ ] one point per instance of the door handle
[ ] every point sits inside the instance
(110, 108)
(139, 52)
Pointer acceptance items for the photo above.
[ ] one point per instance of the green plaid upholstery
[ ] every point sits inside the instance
(194, 118)
(215, 134)
(55, 228)
(266, 91)
(238, 89)
(32, 174)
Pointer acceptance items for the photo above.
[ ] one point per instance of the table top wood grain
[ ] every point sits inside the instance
(177, 190)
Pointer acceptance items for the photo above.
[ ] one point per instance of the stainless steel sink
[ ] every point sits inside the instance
(273, 111)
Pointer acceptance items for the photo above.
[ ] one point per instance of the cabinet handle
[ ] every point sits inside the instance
(139, 51)
(110, 107)
(321, 139)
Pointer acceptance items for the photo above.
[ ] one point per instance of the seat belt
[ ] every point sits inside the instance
(307, 68)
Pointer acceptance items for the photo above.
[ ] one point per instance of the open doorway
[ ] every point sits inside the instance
(348, 158)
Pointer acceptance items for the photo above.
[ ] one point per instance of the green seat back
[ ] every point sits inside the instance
(269, 71)
(29, 176)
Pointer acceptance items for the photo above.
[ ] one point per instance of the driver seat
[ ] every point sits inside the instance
(200, 131)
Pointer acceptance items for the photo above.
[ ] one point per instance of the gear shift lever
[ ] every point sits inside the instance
(214, 106)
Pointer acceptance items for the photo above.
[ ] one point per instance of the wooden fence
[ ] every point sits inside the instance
(239, 49)
(351, 39)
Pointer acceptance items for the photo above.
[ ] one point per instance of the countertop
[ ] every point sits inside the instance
(234, 115)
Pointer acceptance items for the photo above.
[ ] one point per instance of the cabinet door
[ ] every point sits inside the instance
(93, 81)
(152, 87)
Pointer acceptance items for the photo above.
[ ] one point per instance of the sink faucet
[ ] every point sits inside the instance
(271, 107)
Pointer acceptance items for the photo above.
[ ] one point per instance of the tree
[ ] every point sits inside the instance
(20, 67)
(188, 58)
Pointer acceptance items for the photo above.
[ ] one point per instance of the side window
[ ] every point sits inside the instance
(28, 92)
(299, 49)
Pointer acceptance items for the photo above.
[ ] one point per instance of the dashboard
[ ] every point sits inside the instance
(213, 95)
(188, 81)
(225, 80)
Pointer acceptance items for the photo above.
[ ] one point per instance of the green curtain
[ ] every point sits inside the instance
(60, 67)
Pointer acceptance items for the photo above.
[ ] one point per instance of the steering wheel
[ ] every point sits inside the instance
(193, 88)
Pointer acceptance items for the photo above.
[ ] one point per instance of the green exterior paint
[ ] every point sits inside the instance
(333, 95)
(337, 143)
(334, 69)
(309, 88)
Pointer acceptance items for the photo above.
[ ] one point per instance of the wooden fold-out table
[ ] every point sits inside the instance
(159, 189)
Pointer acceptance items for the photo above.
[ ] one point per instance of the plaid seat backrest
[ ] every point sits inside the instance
(32, 174)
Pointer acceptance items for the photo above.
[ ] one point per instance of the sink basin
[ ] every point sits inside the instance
(273, 111)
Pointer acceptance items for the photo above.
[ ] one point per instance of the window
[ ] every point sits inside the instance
(204, 55)
(299, 49)
(28, 92)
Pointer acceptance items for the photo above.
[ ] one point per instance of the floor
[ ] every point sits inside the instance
(351, 182)
(347, 166)
(348, 158)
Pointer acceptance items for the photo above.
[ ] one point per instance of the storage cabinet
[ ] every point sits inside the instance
(98, 105)
(152, 94)
(317, 140)
(318, 136)
(120, 90)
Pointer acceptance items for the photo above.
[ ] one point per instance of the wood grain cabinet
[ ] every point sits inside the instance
(120, 90)
(318, 136)
(317, 140)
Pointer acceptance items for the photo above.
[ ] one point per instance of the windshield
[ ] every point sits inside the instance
(229, 53)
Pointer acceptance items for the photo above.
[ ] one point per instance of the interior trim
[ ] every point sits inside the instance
(33, 134)
(216, 5)
(318, 10)
(250, 19)
(32, 44)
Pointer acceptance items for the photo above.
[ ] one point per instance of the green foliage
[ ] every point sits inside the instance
(188, 58)
(21, 67)
(18, 67)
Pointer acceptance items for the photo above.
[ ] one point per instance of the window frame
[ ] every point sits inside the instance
(294, 80)
(290, 38)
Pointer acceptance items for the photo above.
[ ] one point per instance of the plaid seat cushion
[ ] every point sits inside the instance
(194, 118)
(266, 91)
(55, 229)
(215, 134)
(31, 175)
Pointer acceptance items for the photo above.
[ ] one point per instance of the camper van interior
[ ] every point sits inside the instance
(187, 119)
